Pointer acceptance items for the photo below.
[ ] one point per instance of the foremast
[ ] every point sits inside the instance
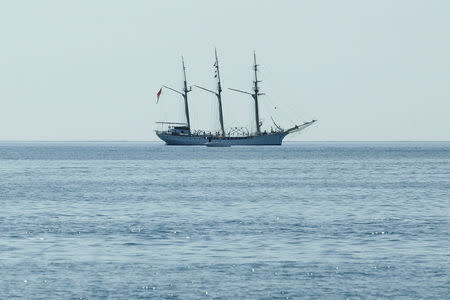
(218, 93)
(184, 93)
(254, 95)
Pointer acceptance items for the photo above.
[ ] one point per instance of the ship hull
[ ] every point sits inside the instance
(275, 138)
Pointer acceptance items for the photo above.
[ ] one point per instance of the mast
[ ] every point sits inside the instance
(218, 93)
(254, 95)
(184, 93)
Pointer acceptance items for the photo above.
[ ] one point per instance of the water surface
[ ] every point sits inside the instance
(304, 220)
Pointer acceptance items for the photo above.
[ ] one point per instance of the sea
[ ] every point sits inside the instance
(305, 220)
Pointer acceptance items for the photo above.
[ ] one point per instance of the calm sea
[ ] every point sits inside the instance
(145, 221)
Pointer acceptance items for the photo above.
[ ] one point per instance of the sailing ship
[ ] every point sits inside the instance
(182, 134)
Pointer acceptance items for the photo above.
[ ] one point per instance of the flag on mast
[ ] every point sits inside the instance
(157, 95)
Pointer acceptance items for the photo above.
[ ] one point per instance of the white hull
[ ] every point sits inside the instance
(179, 136)
(275, 138)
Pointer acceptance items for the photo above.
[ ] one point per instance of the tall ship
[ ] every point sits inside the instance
(181, 133)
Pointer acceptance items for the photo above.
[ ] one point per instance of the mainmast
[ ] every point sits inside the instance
(184, 94)
(255, 94)
(218, 93)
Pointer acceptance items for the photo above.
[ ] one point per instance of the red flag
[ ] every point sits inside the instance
(157, 95)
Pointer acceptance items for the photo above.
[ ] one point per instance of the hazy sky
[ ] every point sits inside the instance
(89, 70)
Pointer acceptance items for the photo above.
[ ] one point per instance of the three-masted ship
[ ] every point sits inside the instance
(181, 133)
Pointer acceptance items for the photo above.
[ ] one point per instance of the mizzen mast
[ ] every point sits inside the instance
(184, 93)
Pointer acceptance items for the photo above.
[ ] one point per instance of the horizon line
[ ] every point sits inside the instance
(156, 141)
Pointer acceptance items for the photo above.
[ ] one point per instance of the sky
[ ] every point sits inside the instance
(90, 70)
